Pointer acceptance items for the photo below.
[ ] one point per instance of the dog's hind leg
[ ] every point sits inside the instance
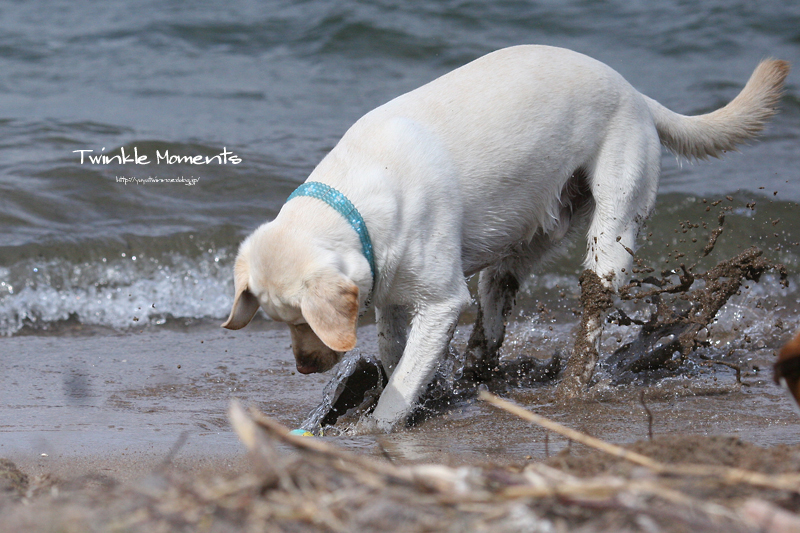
(499, 283)
(596, 299)
(497, 287)
(623, 183)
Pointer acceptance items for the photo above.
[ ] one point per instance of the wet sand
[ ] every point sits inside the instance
(119, 405)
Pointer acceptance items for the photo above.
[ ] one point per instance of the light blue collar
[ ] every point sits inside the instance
(345, 207)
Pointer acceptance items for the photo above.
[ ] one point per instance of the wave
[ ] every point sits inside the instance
(131, 281)
(119, 285)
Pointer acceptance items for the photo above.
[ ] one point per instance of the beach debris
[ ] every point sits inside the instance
(299, 483)
(358, 380)
(684, 307)
(12, 481)
(767, 517)
(720, 474)
(543, 491)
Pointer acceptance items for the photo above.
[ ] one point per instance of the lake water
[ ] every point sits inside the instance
(276, 84)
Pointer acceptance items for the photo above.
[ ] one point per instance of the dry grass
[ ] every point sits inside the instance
(306, 484)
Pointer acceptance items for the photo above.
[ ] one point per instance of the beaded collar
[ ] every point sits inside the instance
(345, 207)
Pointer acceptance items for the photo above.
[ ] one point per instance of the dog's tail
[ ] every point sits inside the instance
(714, 133)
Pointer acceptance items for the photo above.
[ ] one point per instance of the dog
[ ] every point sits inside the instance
(786, 370)
(487, 169)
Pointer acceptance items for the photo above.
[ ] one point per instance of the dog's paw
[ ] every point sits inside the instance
(370, 425)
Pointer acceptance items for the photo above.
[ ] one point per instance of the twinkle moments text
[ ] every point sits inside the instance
(124, 158)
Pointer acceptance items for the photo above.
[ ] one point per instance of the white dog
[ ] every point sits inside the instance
(482, 170)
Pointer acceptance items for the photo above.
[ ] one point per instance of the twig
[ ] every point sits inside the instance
(724, 474)
(577, 436)
(712, 239)
(316, 446)
(734, 366)
(180, 443)
(685, 277)
(384, 452)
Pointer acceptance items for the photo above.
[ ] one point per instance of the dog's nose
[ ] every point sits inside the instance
(307, 368)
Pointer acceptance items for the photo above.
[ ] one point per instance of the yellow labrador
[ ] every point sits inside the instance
(485, 170)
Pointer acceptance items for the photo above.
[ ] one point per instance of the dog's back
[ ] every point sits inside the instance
(505, 133)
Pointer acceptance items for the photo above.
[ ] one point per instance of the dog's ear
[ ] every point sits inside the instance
(330, 306)
(245, 304)
(244, 309)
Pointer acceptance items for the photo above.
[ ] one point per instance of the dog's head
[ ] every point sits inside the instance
(293, 284)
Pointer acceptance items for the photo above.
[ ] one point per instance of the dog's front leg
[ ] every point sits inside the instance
(392, 335)
(432, 328)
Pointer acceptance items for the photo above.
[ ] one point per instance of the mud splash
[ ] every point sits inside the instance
(682, 309)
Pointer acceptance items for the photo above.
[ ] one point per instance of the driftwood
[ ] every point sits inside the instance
(358, 381)
(355, 386)
(674, 326)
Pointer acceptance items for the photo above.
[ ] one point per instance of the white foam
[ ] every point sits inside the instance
(121, 293)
